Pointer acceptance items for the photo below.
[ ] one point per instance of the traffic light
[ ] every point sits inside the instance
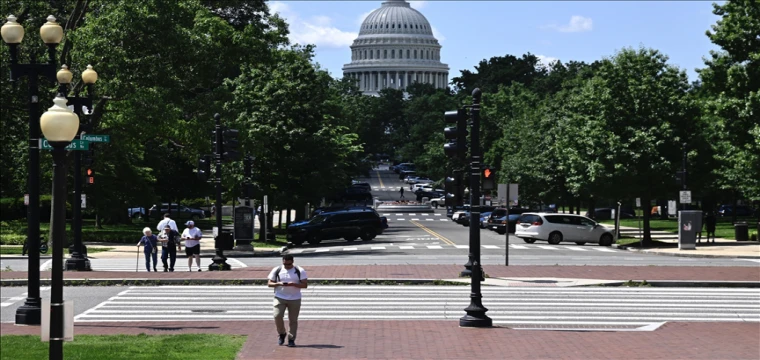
(488, 178)
(230, 145)
(457, 135)
(248, 167)
(204, 167)
(90, 178)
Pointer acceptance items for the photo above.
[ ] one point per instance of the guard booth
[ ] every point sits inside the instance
(689, 224)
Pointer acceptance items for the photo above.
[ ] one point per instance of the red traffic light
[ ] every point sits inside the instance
(487, 173)
(89, 172)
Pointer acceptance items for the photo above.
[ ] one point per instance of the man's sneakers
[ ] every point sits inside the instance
(281, 340)
(291, 343)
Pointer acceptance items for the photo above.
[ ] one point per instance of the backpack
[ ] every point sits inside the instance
(277, 273)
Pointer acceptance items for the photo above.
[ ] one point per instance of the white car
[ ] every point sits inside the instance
(441, 201)
(556, 228)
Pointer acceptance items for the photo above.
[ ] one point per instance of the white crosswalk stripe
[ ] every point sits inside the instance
(129, 264)
(434, 246)
(524, 307)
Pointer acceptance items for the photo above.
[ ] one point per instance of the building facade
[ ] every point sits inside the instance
(395, 48)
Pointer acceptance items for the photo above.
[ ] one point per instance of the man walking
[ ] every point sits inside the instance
(287, 281)
(169, 239)
(192, 236)
(402, 192)
(166, 221)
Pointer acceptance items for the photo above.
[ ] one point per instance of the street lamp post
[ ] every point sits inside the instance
(78, 261)
(476, 312)
(12, 34)
(59, 125)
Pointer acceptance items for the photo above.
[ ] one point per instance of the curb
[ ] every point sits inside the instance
(266, 253)
(367, 281)
(632, 249)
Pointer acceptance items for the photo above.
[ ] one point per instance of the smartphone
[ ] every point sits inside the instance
(285, 283)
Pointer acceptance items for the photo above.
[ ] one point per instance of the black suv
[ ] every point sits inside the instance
(346, 224)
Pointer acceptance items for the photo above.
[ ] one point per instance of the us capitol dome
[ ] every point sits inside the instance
(395, 48)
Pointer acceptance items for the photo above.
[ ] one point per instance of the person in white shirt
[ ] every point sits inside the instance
(192, 236)
(166, 221)
(287, 281)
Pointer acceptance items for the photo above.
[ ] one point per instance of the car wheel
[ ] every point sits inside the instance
(555, 238)
(501, 232)
(529, 241)
(314, 239)
(605, 240)
(350, 238)
(580, 242)
(368, 234)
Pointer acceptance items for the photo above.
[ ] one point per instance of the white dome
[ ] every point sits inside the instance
(394, 49)
(395, 17)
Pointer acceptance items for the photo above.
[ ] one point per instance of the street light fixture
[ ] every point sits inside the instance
(13, 33)
(78, 260)
(59, 125)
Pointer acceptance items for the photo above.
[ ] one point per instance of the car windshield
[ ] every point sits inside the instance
(317, 219)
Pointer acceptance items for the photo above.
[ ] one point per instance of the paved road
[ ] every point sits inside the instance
(608, 308)
(84, 298)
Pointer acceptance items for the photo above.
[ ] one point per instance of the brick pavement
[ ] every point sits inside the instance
(706, 273)
(332, 339)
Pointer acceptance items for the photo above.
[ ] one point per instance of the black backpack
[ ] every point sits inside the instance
(277, 273)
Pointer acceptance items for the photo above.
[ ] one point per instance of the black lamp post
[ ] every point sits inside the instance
(219, 260)
(476, 312)
(59, 125)
(13, 34)
(78, 260)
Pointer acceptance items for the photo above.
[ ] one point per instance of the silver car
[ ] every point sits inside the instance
(556, 228)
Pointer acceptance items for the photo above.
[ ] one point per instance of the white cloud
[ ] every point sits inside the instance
(317, 29)
(546, 60)
(577, 24)
(438, 34)
(418, 4)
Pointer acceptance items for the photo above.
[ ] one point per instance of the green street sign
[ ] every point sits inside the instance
(75, 145)
(96, 138)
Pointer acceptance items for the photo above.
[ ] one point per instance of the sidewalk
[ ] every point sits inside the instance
(349, 339)
(668, 245)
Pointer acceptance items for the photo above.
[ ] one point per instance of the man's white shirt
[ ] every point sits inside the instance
(172, 224)
(289, 276)
(192, 234)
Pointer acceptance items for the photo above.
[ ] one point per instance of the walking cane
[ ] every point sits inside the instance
(137, 265)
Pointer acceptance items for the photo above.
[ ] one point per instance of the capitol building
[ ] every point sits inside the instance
(395, 48)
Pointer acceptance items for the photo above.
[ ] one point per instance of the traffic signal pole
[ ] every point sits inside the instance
(476, 312)
(219, 258)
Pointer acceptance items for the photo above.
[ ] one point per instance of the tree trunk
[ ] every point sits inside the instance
(733, 212)
(663, 203)
(572, 206)
(592, 207)
(647, 237)
(287, 223)
(578, 208)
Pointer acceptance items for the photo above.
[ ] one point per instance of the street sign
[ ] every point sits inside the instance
(84, 201)
(266, 204)
(96, 138)
(685, 197)
(75, 145)
(638, 202)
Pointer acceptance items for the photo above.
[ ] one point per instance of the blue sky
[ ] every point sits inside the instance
(470, 31)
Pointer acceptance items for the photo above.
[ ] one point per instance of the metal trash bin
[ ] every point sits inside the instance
(741, 231)
(225, 240)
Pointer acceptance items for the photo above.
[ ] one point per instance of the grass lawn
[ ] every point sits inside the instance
(133, 347)
(280, 242)
(723, 229)
(16, 249)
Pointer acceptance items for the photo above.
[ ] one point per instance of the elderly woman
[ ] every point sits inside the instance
(150, 242)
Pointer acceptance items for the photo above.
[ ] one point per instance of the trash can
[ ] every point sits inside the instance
(225, 240)
(741, 231)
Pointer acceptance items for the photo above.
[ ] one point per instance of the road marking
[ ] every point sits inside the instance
(399, 214)
(386, 214)
(604, 249)
(295, 251)
(350, 249)
(574, 248)
(406, 247)
(518, 246)
(322, 250)
(431, 232)
(378, 248)
(239, 263)
(400, 219)
(437, 214)
(444, 220)
(547, 247)
(754, 260)
(462, 246)
(46, 265)
(415, 219)
(434, 247)
(428, 219)
(16, 299)
(412, 214)
(490, 247)
(379, 178)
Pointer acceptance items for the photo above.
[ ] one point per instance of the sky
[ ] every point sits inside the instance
(471, 31)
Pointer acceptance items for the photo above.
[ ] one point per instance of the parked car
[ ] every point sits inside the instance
(177, 211)
(137, 212)
(347, 224)
(484, 219)
(556, 228)
(361, 185)
(741, 210)
(439, 201)
(501, 223)
(465, 220)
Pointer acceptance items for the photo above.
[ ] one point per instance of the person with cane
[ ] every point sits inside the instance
(150, 243)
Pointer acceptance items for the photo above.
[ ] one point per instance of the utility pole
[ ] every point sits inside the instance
(683, 174)
(219, 259)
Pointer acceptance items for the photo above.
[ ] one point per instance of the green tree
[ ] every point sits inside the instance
(730, 85)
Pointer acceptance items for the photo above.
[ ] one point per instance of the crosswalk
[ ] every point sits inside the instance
(438, 246)
(122, 264)
(520, 307)
(414, 217)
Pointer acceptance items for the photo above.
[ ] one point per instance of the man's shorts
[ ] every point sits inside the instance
(193, 250)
